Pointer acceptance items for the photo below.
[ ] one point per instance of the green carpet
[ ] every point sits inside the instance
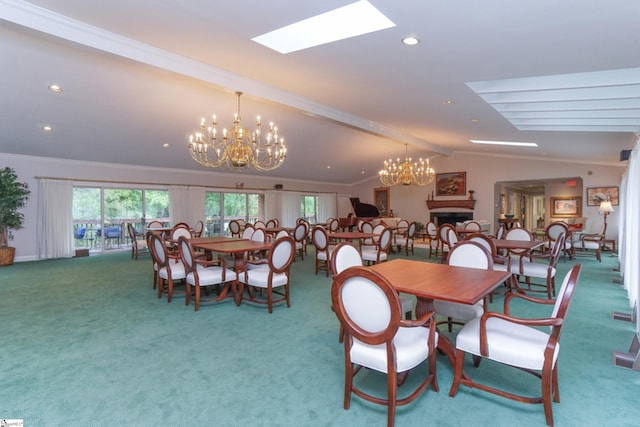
(86, 342)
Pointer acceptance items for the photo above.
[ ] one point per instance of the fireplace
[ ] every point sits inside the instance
(440, 218)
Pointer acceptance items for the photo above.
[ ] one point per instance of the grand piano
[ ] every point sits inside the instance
(363, 212)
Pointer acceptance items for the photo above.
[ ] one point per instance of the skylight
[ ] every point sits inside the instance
(594, 101)
(345, 22)
(512, 143)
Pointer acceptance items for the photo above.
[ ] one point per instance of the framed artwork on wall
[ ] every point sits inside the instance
(566, 207)
(451, 184)
(381, 200)
(596, 195)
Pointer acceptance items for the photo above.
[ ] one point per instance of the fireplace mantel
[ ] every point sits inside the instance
(440, 204)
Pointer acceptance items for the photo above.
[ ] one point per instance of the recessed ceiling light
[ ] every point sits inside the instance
(47, 128)
(517, 144)
(410, 41)
(448, 102)
(363, 172)
(55, 88)
(345, 22)
(328, 167)
(474, 120)
(165, 145)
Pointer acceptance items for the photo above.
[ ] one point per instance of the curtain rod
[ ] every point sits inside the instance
(106, 181)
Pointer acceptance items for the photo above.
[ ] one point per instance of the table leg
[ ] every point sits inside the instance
(424, 306)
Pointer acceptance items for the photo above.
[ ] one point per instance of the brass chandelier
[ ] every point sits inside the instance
(237, 147)
(407, 173)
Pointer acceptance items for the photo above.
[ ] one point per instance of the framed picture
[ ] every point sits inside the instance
(451, 184)
(381, 200)
(596, 195)
(566, 207)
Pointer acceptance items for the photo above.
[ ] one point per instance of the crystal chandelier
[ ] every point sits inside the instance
(237, 147)
(407, 173)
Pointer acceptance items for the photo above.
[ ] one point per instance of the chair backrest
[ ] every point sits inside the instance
(242, 223)
(565, 296)
(154, 224)
(472, 226)
(186, 254)
(198, 229)
(319, 238)
(483, 240)
(452, 237)
(259, 235)
(281, 234)
(131, 231)
(333, 225)
(178, 232)
(402, 225)
(259, 224)
(300, 232)
(501, 232)
(248, 231)
(345, 255)
(272, 223)
(384, 243)
(281, 255)
(80, 232)
(411, 231)
(432, 230)
(555, 229)
(159, 251)
(443, 232)
(470, 254)
(518, 234)
(377, 230)
(234, 227)
(366, 227)
(367, 305)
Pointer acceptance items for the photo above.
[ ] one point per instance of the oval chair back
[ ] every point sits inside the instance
(345, 255)
(470, 254)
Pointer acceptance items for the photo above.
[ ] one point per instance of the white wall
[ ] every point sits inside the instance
(28, 168)
(484, 171)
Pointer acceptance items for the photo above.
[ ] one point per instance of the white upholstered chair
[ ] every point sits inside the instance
(376, 337)
(406, 240)
(320, 240)
(522, 343)
(170, 267)
(202, 273)
(465, 254)
(379, 251)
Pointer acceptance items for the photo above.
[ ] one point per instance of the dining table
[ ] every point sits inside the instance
(431, 281)
(527, 245)
(238, 248)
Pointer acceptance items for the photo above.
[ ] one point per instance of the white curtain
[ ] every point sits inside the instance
(630, 238)
(272, 204)
(186, 204)
(178, 204)
(291, 202)
(196, 205)
(55, 219)
(327, 207)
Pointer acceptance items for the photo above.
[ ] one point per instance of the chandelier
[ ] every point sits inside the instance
(237, 147)
(407, 173)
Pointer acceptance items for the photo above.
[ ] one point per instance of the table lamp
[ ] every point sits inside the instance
(605, 208)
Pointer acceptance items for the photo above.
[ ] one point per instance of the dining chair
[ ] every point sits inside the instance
(537, 270)
(591, 243)
(471, 255)
(154, 224)
(379, 251)
(472, 226)
(551, 234)
(366, 227)
(170, 267)
(271, 223)
(520, 343)
(432, 237)
(515, 256)
(274, 278)
(499, 262)
(406, 240)
(248, 232)
(376, 338)
(153, 258)
(234, 228)
(334, 225)
(202, 273)
(198, 229)
(446, 233)
(138, 246)
(300, 236)
(320, 241)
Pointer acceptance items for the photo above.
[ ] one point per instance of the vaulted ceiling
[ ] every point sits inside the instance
(140, 74)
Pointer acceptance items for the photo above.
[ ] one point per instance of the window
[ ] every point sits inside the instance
(309, 208)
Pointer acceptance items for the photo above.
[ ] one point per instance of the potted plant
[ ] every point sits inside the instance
(13, 195)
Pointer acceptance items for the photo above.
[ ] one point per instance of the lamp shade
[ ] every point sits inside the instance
(605, 206)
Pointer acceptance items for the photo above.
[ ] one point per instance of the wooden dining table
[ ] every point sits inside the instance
(430, 281)
(237, 247)
(350, 235)
(527, 245)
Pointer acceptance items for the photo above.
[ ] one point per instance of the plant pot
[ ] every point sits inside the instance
(6, 255)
